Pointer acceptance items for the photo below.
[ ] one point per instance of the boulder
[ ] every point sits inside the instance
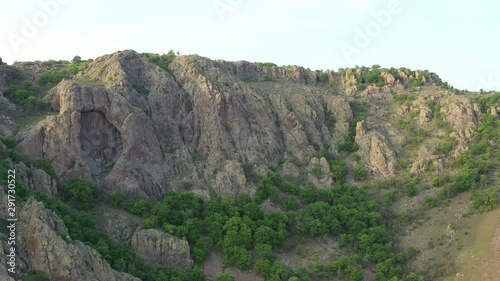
(162, 248)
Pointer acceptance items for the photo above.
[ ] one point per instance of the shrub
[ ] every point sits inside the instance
(163, 61)
(140, 207)
(316, 170)
(330, 121)
(484, 200)
(360, 173)
(339, 170)
(410, 189)
(9, 141)
(81, 192)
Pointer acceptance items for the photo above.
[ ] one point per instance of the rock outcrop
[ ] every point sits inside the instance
(462, 114)
(45, 246)
(39, 180)
(319, 173)
(162, 248)
(200, 122)
(427, 160)
(375, 151)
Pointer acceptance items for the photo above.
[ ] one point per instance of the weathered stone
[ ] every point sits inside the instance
(324, 178)
(162, 248)
(45, 244)
(376, 152)
(462, 114)
(43, 182)
(426, 158)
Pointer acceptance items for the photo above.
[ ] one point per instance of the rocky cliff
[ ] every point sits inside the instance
(132, 126)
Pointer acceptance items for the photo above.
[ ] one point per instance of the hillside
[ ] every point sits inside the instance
(260, 171)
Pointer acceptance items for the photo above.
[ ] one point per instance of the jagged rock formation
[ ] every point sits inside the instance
(159, 247)
(462, 114)
(45, 246)
(200, 123)
(424, 111)
(322, 178)
(375, 150)
(117, 224)
(39, 180)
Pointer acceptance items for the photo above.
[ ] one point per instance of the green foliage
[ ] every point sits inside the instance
(484, 200)
(316, 170)
(268, 79)
(163, 61)
(321, 77)
(359, 111)
(290, 203)
(410, 188)
(372, 77)
(82, 227)
(487, 102)
(35, 276)
(9, 141)
(25, 96)
(445, 148)
(12, 154)
(141, 90)
(76, 59)
(51, 78)
(339, 170)
(330, 121)
(266, 64)
(44, 164)
(360, 173)
(404, 98)
(117, 199)
(140, 207)
(440, 180)
(415, 82)
(81, 193)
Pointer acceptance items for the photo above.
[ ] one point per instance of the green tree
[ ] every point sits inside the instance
(360, 173)
(484, 200)
(76, 59)
(81, 192)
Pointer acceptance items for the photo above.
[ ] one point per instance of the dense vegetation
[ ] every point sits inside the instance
(81, 226)
(359, 112)
(246, 235)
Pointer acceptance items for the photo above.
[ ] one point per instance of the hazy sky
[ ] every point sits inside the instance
(457, 39)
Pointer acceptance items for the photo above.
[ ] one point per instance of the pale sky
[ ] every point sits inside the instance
(459, 40)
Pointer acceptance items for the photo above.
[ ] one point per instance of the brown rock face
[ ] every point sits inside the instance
(45, 245)
(462, 114)
(323, 179)
(361, 129)
(376, 151)
(162, 248)
(200, 123)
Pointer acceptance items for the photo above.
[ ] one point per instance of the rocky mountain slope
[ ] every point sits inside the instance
(138, 125)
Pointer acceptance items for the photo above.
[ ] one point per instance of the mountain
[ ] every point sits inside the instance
(140, 126)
